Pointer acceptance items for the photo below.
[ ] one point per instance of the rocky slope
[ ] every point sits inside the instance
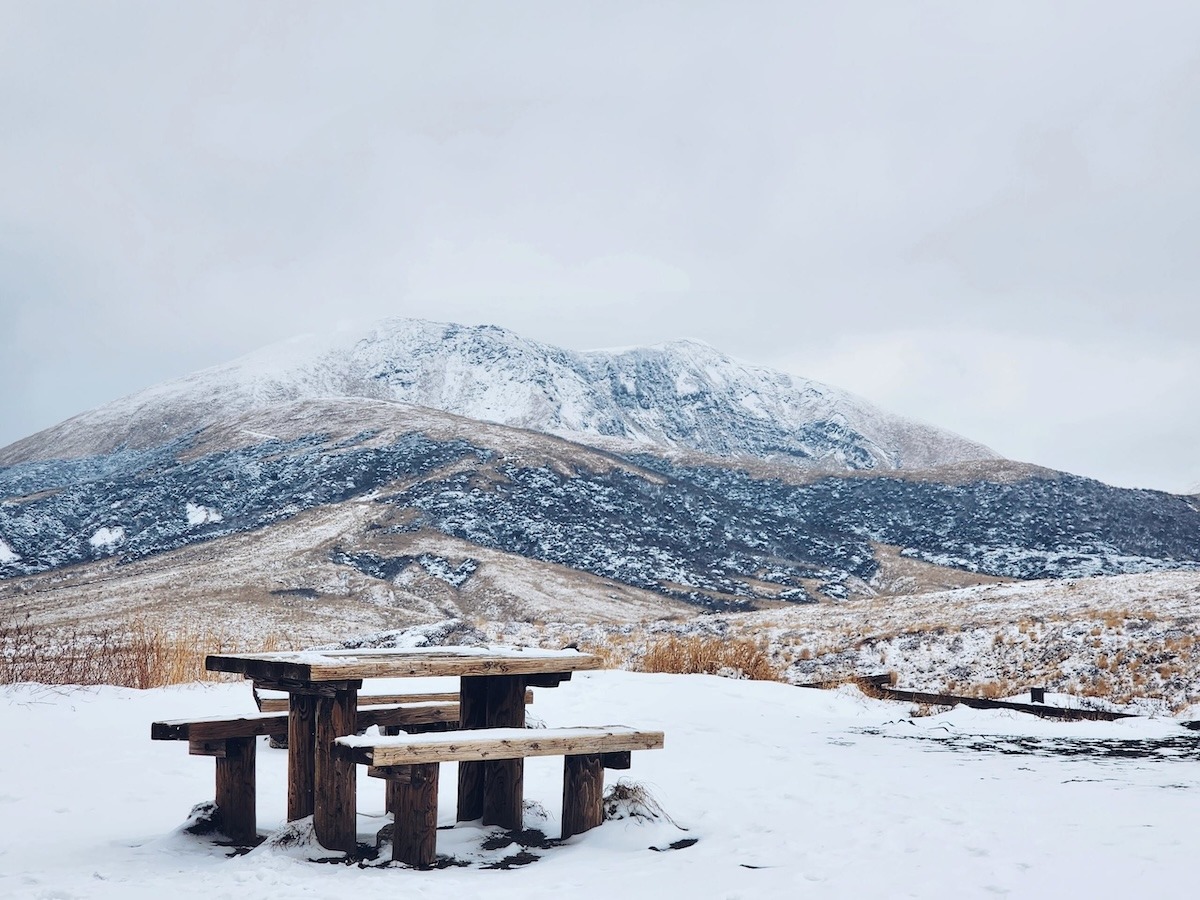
(711, 536)
(670, 476)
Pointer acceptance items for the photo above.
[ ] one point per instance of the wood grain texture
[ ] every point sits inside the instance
(256, 724)
(583, 793)
(215, 729)
(198, 747)
(504, 779)
(480, 746)
(414, 837)
(315, 688)
(279, 704)
(334, 776)
(407, 716)
(302, 735)
(473, 714)
(504, 793)
(236, 792)
(340, 665)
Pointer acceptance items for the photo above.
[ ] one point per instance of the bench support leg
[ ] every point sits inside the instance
(414, 836)
(504, 793)
(504, 779)
(472, 713)
(334, 806)
(302, 723)
(583, 793)
(235, 790)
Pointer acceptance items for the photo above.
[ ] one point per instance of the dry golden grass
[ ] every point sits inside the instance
(615, 651)
(737, 657)
(1178, 644)
(994, 690)
(921, 710)
(140, 656)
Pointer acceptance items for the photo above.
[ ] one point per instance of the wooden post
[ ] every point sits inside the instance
(334, 807)
(504, 779)
(414, 836)
(583, 793)
(302, 719)
(472, 713)
(236, 790)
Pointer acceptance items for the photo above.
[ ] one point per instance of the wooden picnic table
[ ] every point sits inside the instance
(322, 688)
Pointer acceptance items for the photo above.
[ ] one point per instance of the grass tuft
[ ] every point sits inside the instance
(695, 655)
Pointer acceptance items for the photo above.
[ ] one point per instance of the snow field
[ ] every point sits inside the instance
(788, 792)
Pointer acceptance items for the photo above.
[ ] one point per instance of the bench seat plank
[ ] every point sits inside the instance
(215, 728)
(280, 704)
(495, 743)
(411, 763)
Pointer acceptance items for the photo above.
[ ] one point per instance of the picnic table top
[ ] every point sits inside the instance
(346, 665)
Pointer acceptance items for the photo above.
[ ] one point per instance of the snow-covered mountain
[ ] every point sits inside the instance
(681, 396)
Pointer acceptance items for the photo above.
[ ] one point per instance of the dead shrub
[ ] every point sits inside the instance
(632, 800)
(695, 655)
(614, 652)
(921, 710)
(995, 690)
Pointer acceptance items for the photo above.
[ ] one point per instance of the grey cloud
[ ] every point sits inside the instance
(180, 183)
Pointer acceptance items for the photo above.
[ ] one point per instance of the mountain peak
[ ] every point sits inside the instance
(680, 395)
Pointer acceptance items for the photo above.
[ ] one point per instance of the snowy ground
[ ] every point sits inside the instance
(787, 793)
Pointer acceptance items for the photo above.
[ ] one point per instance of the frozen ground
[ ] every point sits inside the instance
(786, 793)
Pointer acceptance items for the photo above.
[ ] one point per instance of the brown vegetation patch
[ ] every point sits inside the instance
(141, 656)
(699, 655)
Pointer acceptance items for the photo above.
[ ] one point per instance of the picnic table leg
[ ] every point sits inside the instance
(504, 779)
(236, 790)
(335, 777)
(583, 793)
(472, 713)
(302, 719)
(414, 835)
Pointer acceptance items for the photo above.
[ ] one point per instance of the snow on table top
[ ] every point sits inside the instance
(338, 665)
(319, 657)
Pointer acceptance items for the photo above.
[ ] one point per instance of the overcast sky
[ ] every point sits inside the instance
(982, 215)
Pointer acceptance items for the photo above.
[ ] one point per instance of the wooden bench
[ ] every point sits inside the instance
(231, 740)
(280, 704)
(410, 763)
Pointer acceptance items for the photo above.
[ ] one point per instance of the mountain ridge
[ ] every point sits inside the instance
(712, 535)
(808, 496)
(683, 395)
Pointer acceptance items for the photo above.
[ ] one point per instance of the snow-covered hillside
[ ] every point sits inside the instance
(682, 395)
(710, 535)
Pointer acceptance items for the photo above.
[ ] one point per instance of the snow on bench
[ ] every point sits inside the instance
(231, 740)
(410, 764)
